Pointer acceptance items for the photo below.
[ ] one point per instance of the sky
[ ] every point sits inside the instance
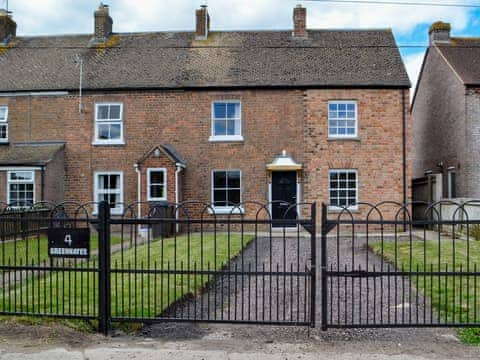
(409, 23)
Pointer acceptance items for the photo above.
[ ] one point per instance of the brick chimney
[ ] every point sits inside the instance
(202, 23)
(103, 24)
(300, 21)
(8, 27)
(439, 32)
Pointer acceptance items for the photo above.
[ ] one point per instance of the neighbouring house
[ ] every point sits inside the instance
(222, 117)
(446, 118)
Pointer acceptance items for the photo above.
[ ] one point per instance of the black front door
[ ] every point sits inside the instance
(284, 194)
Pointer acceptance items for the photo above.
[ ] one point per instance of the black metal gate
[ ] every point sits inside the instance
(381, 268)
(206, 268)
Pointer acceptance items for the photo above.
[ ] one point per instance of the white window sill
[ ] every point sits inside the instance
(112, 212)
(226, 210)
(336, 209)
(108, 143)
(351, 138)
(225, 138)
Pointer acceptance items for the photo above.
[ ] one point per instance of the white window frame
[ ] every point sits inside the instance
(342, 136)
(4, 122)
(114, 211)
(226, 138)
(165, 181)
(97, 140)
(338, 208)
(226, 209)
(10, 182)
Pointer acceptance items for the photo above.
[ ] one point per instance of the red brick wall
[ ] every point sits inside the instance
(376, 153)
(272, 120)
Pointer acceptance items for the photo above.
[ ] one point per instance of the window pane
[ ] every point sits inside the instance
(115, 112)
(352, 176)
(234, 179)
(156, 177)
(220, 127)
(332, 107)
(233, 197)
(351, 107)
(231, 127)
(233, 110)
(115, 131)
(3, 113)
(219, 179)
(342, 107)
(157, 191)
(113, 181)
(3, 131)
(220, 110)
(220, 197)
(103, 131)
(102, 112)
(21, 175)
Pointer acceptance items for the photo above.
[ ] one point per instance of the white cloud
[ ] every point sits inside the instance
(73, 16)
(413, 63)
(402, 19)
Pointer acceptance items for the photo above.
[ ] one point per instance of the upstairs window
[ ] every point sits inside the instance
(226, 121)
(21, 189)
(109, 123)
(342, 119)
(3, 124)
(343, 189)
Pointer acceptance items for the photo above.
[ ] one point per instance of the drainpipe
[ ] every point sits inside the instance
(404, 147)
(42, 195)
(180, 167)
(139, 189)
(404, 160)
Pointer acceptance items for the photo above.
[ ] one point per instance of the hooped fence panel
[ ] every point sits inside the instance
(382, 268)
(178, 262)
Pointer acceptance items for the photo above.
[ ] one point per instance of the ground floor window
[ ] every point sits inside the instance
(21, 188)
(109, 187)
(157, 184)
(226, 189)
(343, 188)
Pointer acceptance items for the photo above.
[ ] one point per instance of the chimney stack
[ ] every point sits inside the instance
(439, 32)
(202, 23)
(8, 27)
(300, 21)
(103, 24)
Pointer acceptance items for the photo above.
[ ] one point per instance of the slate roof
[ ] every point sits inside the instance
(463, 54)
(171, 60)
(30, 154)
(169, 150)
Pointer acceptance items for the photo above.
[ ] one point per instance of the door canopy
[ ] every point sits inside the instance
(284, 162)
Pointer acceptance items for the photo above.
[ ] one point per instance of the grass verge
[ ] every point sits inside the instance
(139, 295)
(454, 298)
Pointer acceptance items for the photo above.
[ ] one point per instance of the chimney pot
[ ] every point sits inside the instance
(202, 27)
(103, 24)
(8, 27)
(300, 21)
(439, 32)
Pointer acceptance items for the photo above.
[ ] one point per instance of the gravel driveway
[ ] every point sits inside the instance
(286, 298)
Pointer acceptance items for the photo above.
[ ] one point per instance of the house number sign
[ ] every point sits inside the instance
(69, 243)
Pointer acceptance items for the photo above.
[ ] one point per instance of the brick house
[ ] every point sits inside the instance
(445, 112)
(221, 117)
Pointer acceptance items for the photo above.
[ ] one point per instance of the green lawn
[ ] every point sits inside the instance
(139, 295)
(35, 249)
(455, 299)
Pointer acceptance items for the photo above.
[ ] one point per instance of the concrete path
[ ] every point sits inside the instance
(147, 354)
